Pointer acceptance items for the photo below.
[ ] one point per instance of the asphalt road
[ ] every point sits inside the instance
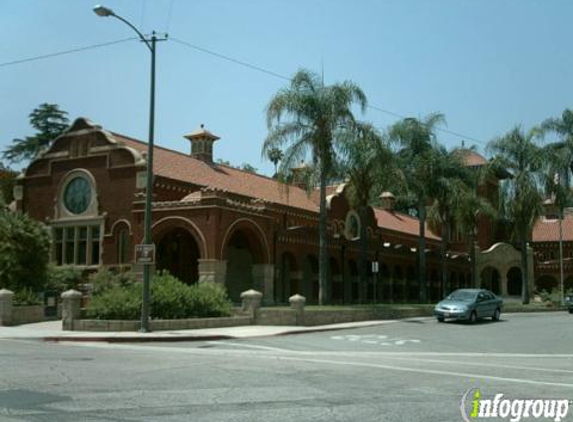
(414, 370)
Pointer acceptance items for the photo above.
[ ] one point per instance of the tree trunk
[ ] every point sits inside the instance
(422, 252)
(524, 272)
(322, 260)
(473, 244)
(363, 291)
(443, 263)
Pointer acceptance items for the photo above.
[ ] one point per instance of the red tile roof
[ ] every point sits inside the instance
(179, 166)
(401, 223)
(548, 230)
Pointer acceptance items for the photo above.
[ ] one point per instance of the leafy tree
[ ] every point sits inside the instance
(309, 117)
(366, 162)
(49, 122)
(24, 252)
(517, 152)
(249, 168)
(7, 183)
(417, 141)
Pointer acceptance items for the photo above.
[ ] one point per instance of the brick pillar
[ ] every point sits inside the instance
(263, 280)
(6, 299)
(251, 302)
(212, 270)
(71, 308)
(297, 303)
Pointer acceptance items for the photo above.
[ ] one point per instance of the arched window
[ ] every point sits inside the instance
(122, 246)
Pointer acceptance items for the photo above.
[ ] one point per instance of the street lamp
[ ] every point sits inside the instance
(150, 43)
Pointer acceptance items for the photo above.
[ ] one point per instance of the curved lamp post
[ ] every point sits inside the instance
(150, 43)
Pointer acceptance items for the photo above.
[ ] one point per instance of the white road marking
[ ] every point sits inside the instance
(264, 354)
(380, 340)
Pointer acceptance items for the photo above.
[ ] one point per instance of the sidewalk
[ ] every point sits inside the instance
(52, 331)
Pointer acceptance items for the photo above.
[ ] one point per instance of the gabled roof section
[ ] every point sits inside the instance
(402, 223)
(179, 166)
(547, 230)
(471, 158)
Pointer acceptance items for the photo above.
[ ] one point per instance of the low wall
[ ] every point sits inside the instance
(27, 314)
(160, 325)
(311, 317)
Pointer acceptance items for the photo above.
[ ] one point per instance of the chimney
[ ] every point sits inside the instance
(550, 209)
(388, 201)
(202, 144)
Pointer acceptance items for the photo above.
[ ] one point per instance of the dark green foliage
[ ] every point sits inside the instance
(7, 182)
(24, 252)
(49, 122)
(26, 297)
(170, 299)
(105, 279)
(63, 278)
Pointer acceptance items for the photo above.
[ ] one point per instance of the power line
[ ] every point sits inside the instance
(230, 59)
(277, 75)
(61, 53)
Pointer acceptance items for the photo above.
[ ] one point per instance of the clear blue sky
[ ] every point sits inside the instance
(487, 65)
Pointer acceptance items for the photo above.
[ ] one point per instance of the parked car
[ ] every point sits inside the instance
(569, 303)
(469, 305)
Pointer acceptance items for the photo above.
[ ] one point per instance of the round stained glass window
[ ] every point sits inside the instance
(77, 195)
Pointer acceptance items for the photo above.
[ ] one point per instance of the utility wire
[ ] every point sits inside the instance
(277, 75)
(61, 53)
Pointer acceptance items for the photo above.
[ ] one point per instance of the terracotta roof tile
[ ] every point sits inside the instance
(548, 230)
(471, 158)
(179, 166)
(401, 223)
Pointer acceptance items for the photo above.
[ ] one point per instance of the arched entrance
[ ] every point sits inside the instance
(514, 282)
(354, 278)
(177, 253)
(398, 281)
(335, 280)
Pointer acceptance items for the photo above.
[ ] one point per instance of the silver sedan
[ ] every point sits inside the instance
(469, 305)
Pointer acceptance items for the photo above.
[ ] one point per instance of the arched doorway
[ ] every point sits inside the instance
(547, 283)
(177, 253)
(514, 282)
(434, 286)
(385, 283)
(398, 281)
(413, 289)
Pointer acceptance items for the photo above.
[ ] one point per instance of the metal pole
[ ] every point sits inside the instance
(149, 195)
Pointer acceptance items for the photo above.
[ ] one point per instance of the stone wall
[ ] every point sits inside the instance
(161, 325)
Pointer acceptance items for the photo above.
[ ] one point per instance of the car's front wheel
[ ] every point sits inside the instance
(441, 319)
(571, 310)
(496, 315)
(473, 317)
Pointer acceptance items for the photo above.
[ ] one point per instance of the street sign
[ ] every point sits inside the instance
(375, 266)
(145, 254)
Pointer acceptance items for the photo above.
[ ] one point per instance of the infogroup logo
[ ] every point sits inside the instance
(474, 407)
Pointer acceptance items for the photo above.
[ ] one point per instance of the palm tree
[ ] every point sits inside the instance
(562, 149)
(366, 163)
(449, 185)
(308, 117)
(517, 152)
(417, 140)
(275, 155)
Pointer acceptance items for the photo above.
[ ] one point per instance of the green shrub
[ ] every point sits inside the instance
(63, 278)
(105, 279)
(24, 252)
(170, 299)
(26, 297)
(117, 302)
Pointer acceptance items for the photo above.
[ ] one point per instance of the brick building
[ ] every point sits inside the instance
(212, 222)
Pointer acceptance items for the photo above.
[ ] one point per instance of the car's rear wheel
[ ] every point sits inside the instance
(571, 310)
(496, 315)
(473, 317)
(441, 319)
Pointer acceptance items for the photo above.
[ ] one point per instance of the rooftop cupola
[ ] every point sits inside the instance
(202, 144)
